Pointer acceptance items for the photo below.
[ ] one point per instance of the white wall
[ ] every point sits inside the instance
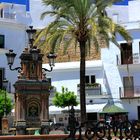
(131, 106)
(36, 9)
(15, 38)
(68, 74)
(134, 8)
(120, 11)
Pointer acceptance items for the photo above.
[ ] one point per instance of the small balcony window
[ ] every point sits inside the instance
(1, 41)
(90, 79)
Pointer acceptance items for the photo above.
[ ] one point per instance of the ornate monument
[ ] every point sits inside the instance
(31, 89)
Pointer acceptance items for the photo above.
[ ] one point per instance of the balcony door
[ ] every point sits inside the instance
(128, 86)
(126, 53)
(138, 112)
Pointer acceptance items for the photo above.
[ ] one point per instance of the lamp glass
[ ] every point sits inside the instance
(10, 57)
(51, 58)
(35, 53)
(31, 32)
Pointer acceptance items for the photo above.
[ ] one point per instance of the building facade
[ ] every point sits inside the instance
(14, 20)
(117, 71)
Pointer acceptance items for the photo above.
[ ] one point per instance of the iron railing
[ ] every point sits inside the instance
(130, 92)
(102, 130)
(90, 90)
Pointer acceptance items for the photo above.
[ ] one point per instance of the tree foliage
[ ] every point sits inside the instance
(82, 23)
(65, 98)
(2, 103)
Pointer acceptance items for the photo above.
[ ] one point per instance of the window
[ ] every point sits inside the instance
(1, 77)
(87, 79)
(66, 118)
(138, 112)
(139, 47)
(1, 41)
(90, 79)
(126, 53)
(115, 18)
(60, 119)
(1, 13)
(128, 84)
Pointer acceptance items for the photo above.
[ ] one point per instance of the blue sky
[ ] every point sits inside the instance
(123, 2)
(26, 2)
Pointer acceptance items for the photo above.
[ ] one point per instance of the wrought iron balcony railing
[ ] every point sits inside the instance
(129, 92)
(128, 59)
(7, 15)
(92, 89)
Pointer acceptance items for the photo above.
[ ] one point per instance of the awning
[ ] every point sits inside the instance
(55, 110)
(91, 108)
(113, 109)
(95, 108)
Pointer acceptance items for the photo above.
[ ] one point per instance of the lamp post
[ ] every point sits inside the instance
(33, 51)
(32, 90)
(51, 58)
(5, 119)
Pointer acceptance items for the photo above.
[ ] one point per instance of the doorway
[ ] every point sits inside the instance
(128, 86)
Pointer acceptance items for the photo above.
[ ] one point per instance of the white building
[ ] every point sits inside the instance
(111, 72)
(14, 20)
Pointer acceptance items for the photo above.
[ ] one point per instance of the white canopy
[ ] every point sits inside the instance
(89, 108)
(56, 110)
(95, 108)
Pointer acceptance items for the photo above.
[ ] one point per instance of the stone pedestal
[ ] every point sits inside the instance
(45, 127)
(31, 94)
(5, 126)
(20, 128)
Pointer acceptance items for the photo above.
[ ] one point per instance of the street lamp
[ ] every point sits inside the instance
(10, 59)
(31, 33)
(5, 84)
(33, 51)
(51, 58)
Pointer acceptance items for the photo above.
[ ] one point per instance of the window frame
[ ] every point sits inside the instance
(2, 45)
(89, 77)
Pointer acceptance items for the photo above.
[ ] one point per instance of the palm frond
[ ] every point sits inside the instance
(82, 20)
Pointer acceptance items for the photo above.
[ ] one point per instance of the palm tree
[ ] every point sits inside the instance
(82, 23)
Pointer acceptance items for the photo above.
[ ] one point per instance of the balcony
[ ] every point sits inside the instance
(129, 92)
(128, 59)
(10, 15)
(7, 15)
(92, 89)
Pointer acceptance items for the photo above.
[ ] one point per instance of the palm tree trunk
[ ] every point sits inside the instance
(82, 81)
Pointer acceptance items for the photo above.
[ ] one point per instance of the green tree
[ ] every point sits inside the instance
(83, 24)
(8, 102)
(65, 98)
